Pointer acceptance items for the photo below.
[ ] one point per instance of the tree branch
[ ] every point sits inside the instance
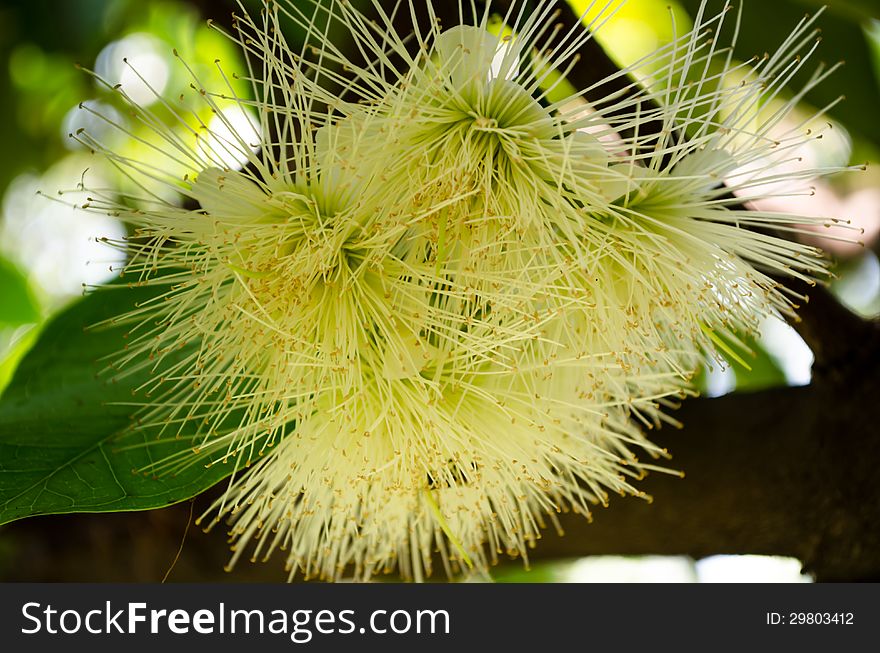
(834, 333)
(791, 471)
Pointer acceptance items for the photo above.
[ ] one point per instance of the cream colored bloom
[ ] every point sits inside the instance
(433, 310)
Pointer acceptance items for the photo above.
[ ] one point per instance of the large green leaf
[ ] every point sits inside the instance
(65, 445)
(766, 24)
(17, 303)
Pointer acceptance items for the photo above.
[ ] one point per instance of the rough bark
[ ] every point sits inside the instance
(791, 471)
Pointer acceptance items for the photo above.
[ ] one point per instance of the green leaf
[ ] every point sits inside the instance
(64, 445)
(764, 371)
(765, 25)
(14, 353)
(856, 10)
(541, 572)
(17, 302)
(753, 367)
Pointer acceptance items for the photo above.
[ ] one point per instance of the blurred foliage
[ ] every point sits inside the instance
(857, 284)
(17, 302)
(632, 29)
(753, 367)
(13, 347)
(763, 371)
(18, 306)
(41, 84)
(541, 572)
(854, 10)
(844, 39)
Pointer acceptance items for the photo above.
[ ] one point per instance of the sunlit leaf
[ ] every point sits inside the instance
(17, 302)
(13, 354)
(765, 372)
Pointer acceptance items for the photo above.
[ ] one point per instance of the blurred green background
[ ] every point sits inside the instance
(48, 250)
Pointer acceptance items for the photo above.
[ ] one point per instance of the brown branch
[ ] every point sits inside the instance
(789, 472)
(834, 333)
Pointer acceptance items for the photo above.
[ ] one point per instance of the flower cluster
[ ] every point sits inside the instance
(436, 307)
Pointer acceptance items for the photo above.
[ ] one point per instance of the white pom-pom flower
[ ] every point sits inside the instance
(435, 308)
